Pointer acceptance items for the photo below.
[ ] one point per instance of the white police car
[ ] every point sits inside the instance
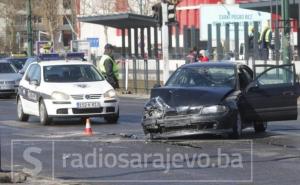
(62, 88)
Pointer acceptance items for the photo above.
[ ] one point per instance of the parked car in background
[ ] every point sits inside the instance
(9, 79)
(18, 62)
(221, 97)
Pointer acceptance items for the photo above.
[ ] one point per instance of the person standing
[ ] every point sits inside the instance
(265, 41)
(251, 43)
(109, 67)
(203, 57)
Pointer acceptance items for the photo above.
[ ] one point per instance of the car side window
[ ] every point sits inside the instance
(30, 72)
(283, 75)
(36, 73)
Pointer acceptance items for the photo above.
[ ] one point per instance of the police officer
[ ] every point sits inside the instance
(108, 66)
(265, 41)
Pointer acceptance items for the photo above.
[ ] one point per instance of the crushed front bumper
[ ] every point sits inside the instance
(185, 125)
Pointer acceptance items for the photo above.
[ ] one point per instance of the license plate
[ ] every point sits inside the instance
(83, 105)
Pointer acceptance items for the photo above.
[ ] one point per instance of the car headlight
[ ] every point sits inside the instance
(110, 94)
(215, 109)
(60, 96)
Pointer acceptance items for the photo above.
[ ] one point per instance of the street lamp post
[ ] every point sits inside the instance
(29, 29)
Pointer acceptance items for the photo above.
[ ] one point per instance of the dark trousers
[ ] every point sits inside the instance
(264, 53)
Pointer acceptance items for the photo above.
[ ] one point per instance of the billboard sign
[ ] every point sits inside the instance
(223, 14)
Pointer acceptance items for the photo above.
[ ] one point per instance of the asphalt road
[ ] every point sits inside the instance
(119, 154)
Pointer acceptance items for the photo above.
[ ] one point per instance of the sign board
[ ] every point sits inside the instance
(94, 42)
(82, 46)
(44, 47)
(213, 14)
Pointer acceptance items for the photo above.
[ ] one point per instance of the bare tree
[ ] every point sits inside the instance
(10, 11)
(50, 11)
(99, 7)
(143, 7)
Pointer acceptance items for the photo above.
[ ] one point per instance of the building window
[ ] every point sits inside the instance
(67, 4)
(37, 19)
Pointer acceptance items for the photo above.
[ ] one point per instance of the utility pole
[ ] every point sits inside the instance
(165, 41)
(285, 14)
(29, 29)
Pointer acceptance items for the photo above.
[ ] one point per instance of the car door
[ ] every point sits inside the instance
(34, 88)
(272, 96)
(29, 92)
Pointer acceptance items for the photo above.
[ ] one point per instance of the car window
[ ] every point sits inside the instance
(30, 72)
(71, 73)
(203, 77)
(28, 62)
(36, 75)
(7, 68)
(283, 75)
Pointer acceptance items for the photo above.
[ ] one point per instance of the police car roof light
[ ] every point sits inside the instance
(56, 56)
(75, 55)
(49, 56)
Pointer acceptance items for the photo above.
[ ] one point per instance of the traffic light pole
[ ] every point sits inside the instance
(165, 41)
(285, 13)
(29, 29)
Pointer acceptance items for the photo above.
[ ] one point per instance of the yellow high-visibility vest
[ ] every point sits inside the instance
(102, 69)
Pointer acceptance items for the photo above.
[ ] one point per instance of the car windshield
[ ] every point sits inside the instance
(7, 68)
(71, 73)
(18, 63)
(203, 76)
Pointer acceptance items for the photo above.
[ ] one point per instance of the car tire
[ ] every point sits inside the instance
(112, 118)
(44, 118)
(21, 115)
(237, 127)
(260, 127)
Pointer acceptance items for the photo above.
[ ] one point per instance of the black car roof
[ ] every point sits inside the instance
(212, 64)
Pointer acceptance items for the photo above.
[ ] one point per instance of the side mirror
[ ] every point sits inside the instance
(21, 72)
(156, 86)
(34, 82)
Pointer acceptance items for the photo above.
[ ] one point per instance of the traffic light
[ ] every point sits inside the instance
(157, 13)
(171, 13)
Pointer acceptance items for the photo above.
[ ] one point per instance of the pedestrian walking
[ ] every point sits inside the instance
(109, 67)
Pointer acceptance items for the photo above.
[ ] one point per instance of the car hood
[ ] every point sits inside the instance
(80, 87)
(10, 77)
(175, 97)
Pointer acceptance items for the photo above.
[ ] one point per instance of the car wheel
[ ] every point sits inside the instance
(44, 118)
(237, 127)
(260, 127)
(112, 118)
(21, 115)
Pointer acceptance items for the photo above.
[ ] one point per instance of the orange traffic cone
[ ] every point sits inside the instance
(88, 129)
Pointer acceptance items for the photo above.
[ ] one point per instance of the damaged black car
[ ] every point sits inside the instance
(221, 97)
